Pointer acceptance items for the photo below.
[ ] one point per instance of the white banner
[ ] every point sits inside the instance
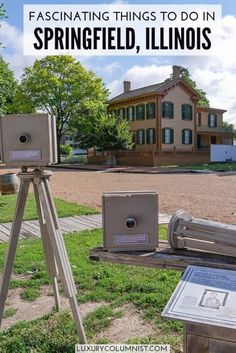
(121, 29)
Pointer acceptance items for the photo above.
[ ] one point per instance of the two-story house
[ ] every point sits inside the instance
(168, 123)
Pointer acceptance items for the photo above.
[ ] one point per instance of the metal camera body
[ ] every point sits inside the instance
(28, 140)
(130, 221)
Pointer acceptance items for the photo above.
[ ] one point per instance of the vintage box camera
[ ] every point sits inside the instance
(28, 140)
(130, 221)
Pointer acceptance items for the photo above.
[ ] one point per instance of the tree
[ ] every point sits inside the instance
(2, 16)
(229, 128)
(185, 75)
(62, 87)
(8, 86)
(20, 104)
(107, 133)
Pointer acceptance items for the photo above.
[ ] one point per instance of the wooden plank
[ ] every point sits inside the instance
(4, 230)
(91, 223)
(216, 346)
(197, 344)
(8, 227)
(30, 230)
(78, 226)
(164, 257)
(90, 220)
(216, 332)
(66, 226)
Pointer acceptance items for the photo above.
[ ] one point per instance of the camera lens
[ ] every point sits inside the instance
(130, 223)
(23, 138)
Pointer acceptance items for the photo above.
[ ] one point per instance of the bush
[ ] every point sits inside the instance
(66, 150)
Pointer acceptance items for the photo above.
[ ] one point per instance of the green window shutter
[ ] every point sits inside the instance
(191, 112)
(154, 136)
(147, 136)
(215, 125)
(133, 114)
(151, 110)
(209, 120)
(190, 136)
(183, 136)
(163, 136)
(171, 136)
(143, 137)
(199, 119)
(127, 113)
(140, 112)
(171, 110)
(163, 110)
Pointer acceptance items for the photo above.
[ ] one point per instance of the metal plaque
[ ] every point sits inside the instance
(204, 295)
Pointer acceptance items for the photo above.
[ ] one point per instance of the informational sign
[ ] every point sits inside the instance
(25, 155)
(204, 295)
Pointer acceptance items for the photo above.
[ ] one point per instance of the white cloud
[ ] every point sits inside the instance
(140, 76)
(12, 40)
(216, 75)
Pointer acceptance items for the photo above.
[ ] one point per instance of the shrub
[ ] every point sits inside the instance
(66, 150)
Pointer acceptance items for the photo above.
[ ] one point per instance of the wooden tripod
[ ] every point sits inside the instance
(56, 257)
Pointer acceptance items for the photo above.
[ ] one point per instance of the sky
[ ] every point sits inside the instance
(216, 75)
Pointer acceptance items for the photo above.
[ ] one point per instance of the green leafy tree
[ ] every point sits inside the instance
(185, 75)
(106, 133)
(20, 103)
(66, 150)
(62, 87)
(8, 86)
(229, 128)
(2, 16)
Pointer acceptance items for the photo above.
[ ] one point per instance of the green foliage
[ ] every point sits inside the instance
(149, 289)
(2, 16)
(64, 208)
(229, 127)
(9, 312)
(8, 86)
(30, 294)
(106, 132)
(66, 150)
(61, 86)
(185, 75)
(21, 104)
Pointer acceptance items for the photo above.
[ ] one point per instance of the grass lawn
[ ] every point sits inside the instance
(148, 289)
(64, 208)
(226, 167)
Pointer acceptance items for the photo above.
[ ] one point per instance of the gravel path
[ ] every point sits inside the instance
(207, 196)
(210, 196)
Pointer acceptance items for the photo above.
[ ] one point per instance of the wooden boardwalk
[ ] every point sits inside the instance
(67, 225)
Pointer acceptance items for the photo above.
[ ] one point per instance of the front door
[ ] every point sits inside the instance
(198, 141)
(213, 140)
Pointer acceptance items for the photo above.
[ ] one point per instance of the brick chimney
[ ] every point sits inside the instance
(176, 72)
(127, 86)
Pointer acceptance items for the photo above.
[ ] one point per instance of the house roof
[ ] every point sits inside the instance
(210, 109)
(158, 88)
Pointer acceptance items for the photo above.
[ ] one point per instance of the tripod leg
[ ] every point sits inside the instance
(60, 253)
(48, 252)
(14, 236)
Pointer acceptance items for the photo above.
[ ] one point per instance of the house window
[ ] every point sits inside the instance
(151, 136)
(167, 136)
(121, 113)
(186, 137)
(151, 110)
(199, 122)
(140, 112)
(212, 120)
(187, 112)
(130, 113)
(141, 137)
(167, 110)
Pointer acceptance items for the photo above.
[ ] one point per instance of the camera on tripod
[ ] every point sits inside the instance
(28, 140)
